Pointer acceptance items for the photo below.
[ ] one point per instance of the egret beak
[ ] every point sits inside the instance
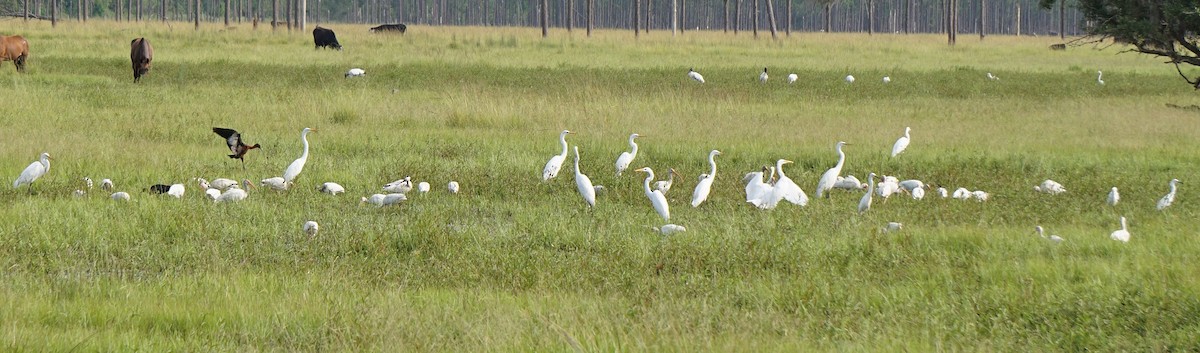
(786, 161)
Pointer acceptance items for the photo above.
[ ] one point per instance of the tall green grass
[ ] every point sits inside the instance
(513, 264)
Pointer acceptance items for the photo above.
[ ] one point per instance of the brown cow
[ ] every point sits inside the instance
(14, 48)
(140, 53)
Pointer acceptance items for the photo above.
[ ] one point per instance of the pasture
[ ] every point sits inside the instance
(514, 264)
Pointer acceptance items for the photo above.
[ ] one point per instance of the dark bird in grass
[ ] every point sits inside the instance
(234, 140)
(159, 189)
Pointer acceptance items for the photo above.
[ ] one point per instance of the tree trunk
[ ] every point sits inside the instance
(570, 15)
(317, 19)
(982, 19)
(53, 13)
(162, 11)
(682, 16)
(907, 15)
(197, 7)
(1062, 18)
(870, 17)
(26, 11)
(725, 20)
(274, 13)
(226, 13)
(737, 16)
(302, 15)
(828, 17)
(591, 15)
(649, 15)
(1018, 22)
(545, 17)
(754, 19)
(771, 19)
(288, 12)
(788, 31)
(674, 17)
(139, 11)
(637, 16)
(79, 11)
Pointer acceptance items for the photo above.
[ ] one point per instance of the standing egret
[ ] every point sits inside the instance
(626, 158)
(233, 140)
(656, 198)
(849, 78)
(901, 143)
(1100, 77)
(993, 77)
(355, 72)
(692, 74)
(452, 186)
(792, 78)
(1122, 234)
(120, 196)
(864, 204)
(331, 188)
(665, 185)
(583, 183)
(887, 79)
(34, 171)
(1054, 238)
(555, 163)
(830, 176)
(786, 189)
(762, 78)
(1165, 201)
(706, 180)
(1050, 187)
(423, 187)
(311, 228)
(1113, 197)
(293, 170)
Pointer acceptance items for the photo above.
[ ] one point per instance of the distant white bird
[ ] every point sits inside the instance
(980, 195)
(276, 183)
(665, 185)
(792, 78)
(1169, 198)
(583, 183)
(385, 200)
(80, 193)
(887, 79)
(911, 184)
(213, 194)
(311, 228)
(234, 193)
(901, 143)
(942, 192)
(757, 191)
(893, 227)
(962, 194)
(222, 183)
(626, 158)
(331, 188)
(1050, 187)
(692, 74)
(887, 187)
(849, 78)
(785, 189)
(376, 199)
(864, 204)
(830, 176)
(1100, 77)
(669, 229)
(106, 184)
(293, 170)
(176, 190)
(1113, 197)
(355, 72)
(452, 186)
(1054, 238)
(705, 184)
(656, 198)
(762, 78)
(34, 171)
(88, 182)
(993, 77)
(918, 193)
(1122, 234)
(120, 196)
(423, 187)
(555, 162)
(400, 186)
(849, 182)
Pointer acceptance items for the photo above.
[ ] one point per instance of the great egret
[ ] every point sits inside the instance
(1100, 77)
(626, 158)
(452, 186)
(669, 229)
(401, 186)
(962, 193)
(993, 77)
(665, 185)
(311, 228)
(1050, 187)
(233, 140)
(1054, 238)
(34, 171)
(1113, 197)
(355, 72)
(792, 78)
(106, 184)
(757, 191)
(692, 74)
(120, 196)
(1169, 198)
(849, 78)
(583, 183)
(786, 189)
(555, 163)
(276, 183)
(706, 180)
(762, 78)
(864, 204)
(423, 187)
(893, 227)
(293, 170)
(901, 143)
(1122, 234)
(830, 176)
(887, 79)
(331, 188)
(656, 198)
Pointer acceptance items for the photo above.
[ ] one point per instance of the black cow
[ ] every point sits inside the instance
(399, 27)
(324, 37)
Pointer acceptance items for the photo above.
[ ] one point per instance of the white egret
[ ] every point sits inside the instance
(762, 78)
(890, 185)
(1122, 234)
(87, 181)
(176, 190)
(665, 185)
(355, 72)
(626, 158)
(980, 195)
(864, 204)
(1113, 197)
(1050, 187)
(376, 199)
(423, 187)
(849, 78)
(918, 193)
(786, 189)
(942, 192)
(706, 180)
(893, 227)
(911, 184)
(887, 79)
(757, 191)
(234, 193)
(401, 186)
(583, 183)
(792, 78)
(120, 196)
(34, 171)
(106, 184)
(1054, 238)
(276, 183)
(1169, 198)
(311, 228)
(452, 186)
(901, 143)
(293, 170)
(222, 183)
(993, 77)
(212, 193)
(692, 74)
(849, 182)
(656, 198)
(385, 200)
(771, 178)
(830, 176)
(555, 163)
(1100, 77)
(669, 229)
(962, 193)
(331, 188)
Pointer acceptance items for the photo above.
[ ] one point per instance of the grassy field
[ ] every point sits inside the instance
(514, 264)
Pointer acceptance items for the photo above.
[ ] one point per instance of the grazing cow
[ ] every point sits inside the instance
(14, 48)
(324, 37)
(140, 53)
(399, 27)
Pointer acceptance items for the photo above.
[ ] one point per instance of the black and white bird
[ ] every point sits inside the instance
(692, 74)
(233, 140)
(762, 78)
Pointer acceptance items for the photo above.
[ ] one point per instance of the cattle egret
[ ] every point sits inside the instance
(1050, 187)
(223, 184)
(400, 186)
(120, 196)
(756, 190)
(962, 193)
(233, 140)
(892, 227)
(355, 72)
(890, 185)
(34, 171)
(993, 77)
(665, 185)
(692, 74)
(1113, 197)
(918, 193)
(293, 170)
(452, 186)
(555, 163)
(942, 192)
(786, 189)
(276, 183)
(311, 228)
(830, 176)
(626, 158)
(980, 195)
(106, 184)
(176, 190)
(887, 79)
(706, 180)
(212, 193)
(1100, 77)
(1122, 234)
(331, 188)
(849, 78)
(669, 229)
(80, 193)
(864, 204)
(792, 78)
(762, 78)
(88, 182)
(1054, 238)
(901, 143)
(656, 198)
(423, 187)
(584, 184)
(1165, 201)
